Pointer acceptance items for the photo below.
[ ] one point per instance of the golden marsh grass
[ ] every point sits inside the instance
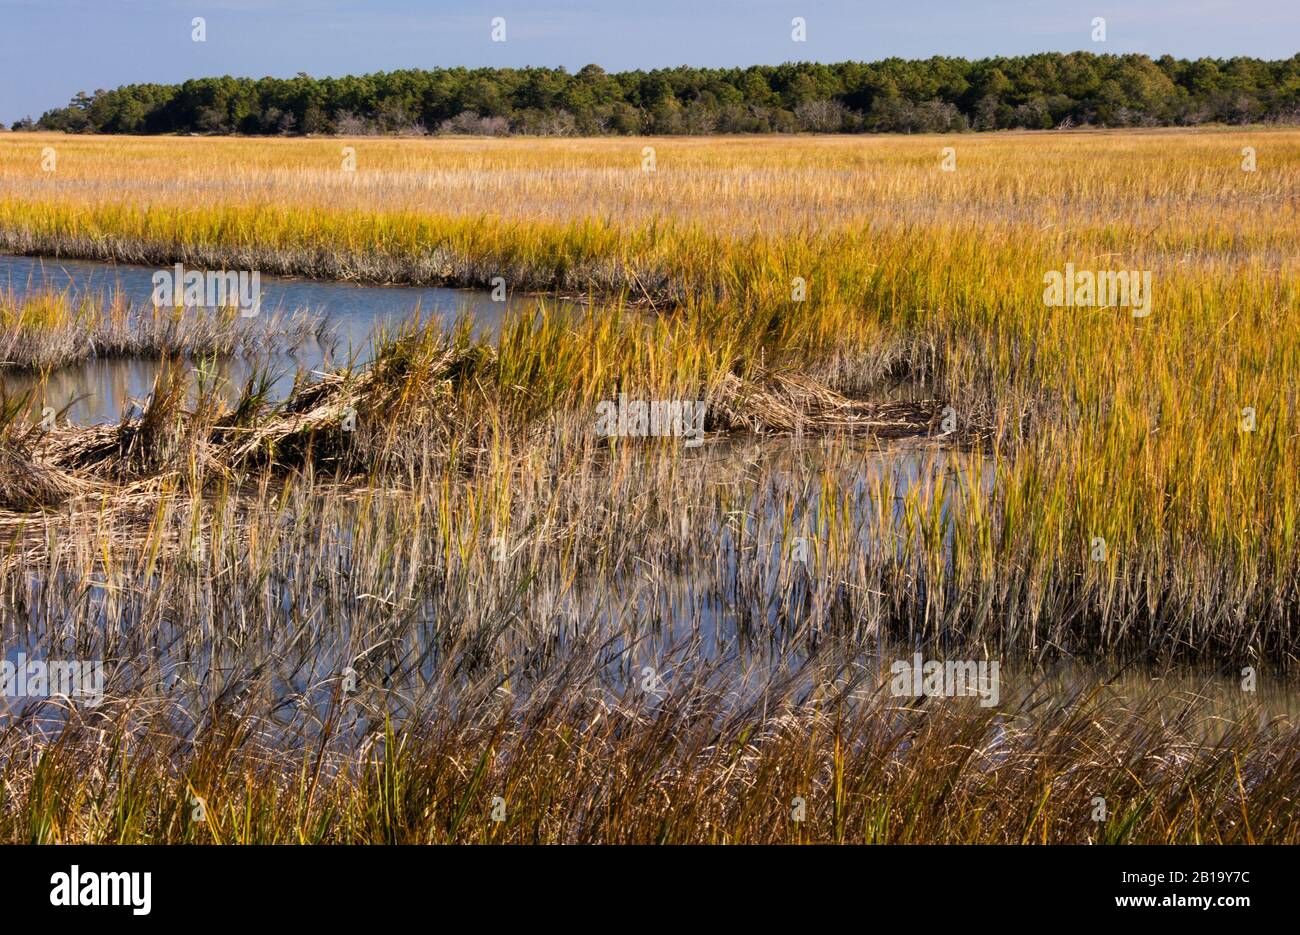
(1172, 438)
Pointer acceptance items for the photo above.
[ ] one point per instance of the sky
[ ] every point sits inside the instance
(51, 49)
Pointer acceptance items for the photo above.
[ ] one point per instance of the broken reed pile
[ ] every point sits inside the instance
(425, 395)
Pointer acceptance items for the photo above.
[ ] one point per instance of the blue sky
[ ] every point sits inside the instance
(50, 49)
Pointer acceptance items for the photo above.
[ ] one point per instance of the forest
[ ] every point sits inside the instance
(895, 95)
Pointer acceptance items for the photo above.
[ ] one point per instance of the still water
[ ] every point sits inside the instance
(99, 389)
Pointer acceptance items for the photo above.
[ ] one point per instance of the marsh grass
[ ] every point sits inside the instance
(573, 764)
(229, 615)
(498, 577)
(48, 330)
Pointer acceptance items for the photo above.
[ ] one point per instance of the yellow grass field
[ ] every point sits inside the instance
(1113, 477)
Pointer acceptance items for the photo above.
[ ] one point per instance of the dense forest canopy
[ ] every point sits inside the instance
(937, 94)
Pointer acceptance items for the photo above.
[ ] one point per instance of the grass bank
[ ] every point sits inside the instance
(47, 330)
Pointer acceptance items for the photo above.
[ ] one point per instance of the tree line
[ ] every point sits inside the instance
(895, 95)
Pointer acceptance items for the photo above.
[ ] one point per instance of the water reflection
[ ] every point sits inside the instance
(100, 389)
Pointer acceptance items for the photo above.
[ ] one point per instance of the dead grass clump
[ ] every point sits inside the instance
(775, 403)
(413, 394)
(29, 485)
